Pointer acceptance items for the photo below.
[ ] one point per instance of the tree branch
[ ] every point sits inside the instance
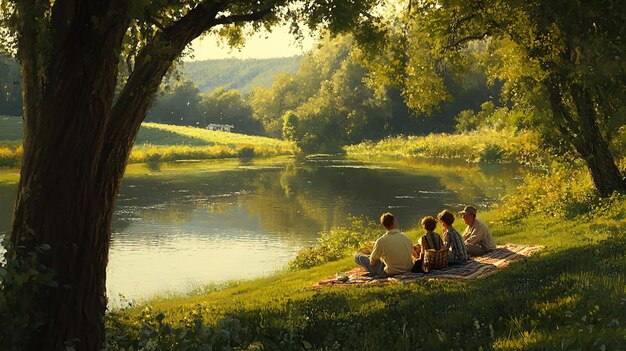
(254, 16)
(464, 40)
(151, 64)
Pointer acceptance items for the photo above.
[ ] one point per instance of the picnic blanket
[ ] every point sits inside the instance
(476, 267)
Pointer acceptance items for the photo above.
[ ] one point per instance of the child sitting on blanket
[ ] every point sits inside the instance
(428, 241)
(452, 239)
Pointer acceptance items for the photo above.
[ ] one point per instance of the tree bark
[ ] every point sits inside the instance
(75, 158)
(61, 200)
(584, 134)
(594, 147)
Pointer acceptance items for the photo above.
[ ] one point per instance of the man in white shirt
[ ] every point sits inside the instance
(392, 252)
(478, 238)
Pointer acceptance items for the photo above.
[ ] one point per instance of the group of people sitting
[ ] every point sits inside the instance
(394, 253)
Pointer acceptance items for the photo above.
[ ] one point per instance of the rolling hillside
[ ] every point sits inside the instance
(161, 142)
(242, 75)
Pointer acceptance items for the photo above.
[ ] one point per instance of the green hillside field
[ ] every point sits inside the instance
(242, 75)
(160, 142)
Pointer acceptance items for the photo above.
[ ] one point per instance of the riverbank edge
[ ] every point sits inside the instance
(541, 302)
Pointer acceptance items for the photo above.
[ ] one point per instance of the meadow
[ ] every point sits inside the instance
(570, 296)
(163, 143)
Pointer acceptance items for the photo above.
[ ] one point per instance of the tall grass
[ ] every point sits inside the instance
(486, 146)
(11, 155)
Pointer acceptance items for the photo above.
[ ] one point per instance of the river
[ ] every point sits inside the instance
(180, 226)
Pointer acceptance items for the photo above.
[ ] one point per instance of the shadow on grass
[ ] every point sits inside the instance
(569, 299)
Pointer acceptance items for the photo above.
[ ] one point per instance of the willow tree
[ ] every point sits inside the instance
(77, 137)
(565, 60)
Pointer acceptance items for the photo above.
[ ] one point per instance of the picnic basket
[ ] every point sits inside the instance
(435, 259)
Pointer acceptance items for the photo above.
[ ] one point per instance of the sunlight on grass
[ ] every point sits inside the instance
(482, 146)
(158, 143)
(570, 294)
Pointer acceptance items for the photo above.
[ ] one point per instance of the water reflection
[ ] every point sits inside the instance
(181, 225)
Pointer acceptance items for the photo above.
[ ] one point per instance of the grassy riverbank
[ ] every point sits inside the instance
(572, 295)
(481, 146)
(162, 143)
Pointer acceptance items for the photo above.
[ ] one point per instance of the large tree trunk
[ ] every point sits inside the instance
(61, 200)
(593, 146)
(581, 127)
(76, 147)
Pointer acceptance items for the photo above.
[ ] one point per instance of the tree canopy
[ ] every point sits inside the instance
(90, 70)
(560, 63)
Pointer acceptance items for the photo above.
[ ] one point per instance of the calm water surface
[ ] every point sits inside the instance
(177, 227)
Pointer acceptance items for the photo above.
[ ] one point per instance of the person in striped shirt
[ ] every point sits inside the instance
(452, 239)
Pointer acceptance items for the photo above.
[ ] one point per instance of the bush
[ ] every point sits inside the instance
(153, 331)
(11, 155)
(246, 151)
(337, 243)
(551, 194)
(490, 153)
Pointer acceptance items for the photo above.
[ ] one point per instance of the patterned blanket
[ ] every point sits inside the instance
(474, 268)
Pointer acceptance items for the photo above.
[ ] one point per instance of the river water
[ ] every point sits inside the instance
(180, 226)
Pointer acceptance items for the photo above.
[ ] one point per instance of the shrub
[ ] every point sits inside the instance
(551, 194)
(337, 243)
(153, 331)
(11, 155)
(246, 151)
(490, 153)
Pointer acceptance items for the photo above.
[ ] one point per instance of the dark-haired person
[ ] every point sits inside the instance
(428, 241)
(392, 251)
(452, 240)
(478, 238)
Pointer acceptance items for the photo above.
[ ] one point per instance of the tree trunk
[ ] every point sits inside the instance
(76, 146)
(62, 200)
(593, 146)
(581, 128)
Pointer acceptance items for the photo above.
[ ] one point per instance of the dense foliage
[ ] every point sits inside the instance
(562, 62)
(338, 242)
(183, 104)
(333, 101)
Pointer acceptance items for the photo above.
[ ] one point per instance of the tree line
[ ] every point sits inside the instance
(325, 104)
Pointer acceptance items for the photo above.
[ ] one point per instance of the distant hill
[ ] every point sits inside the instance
(240, 74)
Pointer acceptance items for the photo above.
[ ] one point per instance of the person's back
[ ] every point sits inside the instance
(392, 253)
(428, 241)
(395, 249)
(431, 241)
(452, 239)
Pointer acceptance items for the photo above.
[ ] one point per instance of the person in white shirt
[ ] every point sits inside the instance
(392, 253)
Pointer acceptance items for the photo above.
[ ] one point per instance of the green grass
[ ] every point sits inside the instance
(572, 295)
(486, 146)
(163, 143)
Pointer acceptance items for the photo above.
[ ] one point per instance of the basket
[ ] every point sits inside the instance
(435, 259)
